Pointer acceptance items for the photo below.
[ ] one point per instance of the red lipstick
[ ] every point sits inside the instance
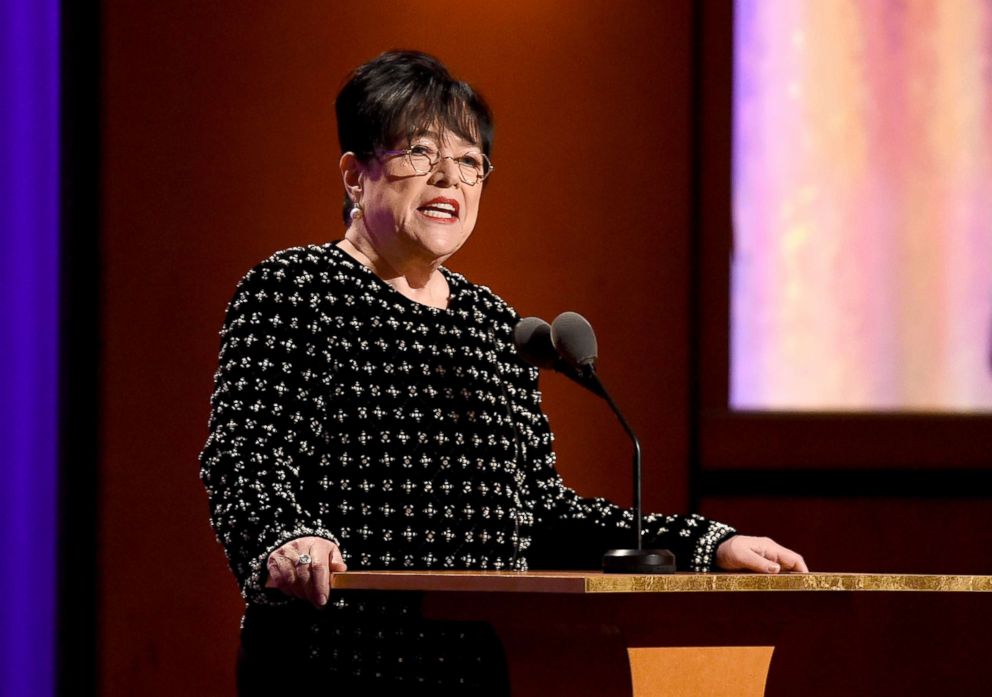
(440, 209)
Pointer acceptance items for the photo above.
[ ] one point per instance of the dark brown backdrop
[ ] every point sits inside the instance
(219, 148)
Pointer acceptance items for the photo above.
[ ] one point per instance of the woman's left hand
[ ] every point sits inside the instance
(761, 554)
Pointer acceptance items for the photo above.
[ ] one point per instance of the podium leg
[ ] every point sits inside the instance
(706, 671)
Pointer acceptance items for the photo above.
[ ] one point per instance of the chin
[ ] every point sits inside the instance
(445, 242)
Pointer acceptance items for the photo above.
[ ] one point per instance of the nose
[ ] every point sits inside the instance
(445, 172)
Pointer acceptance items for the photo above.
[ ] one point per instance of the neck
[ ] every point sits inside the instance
(420, 282)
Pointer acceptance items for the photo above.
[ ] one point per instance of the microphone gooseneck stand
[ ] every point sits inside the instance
(575, 341)
(638, 560)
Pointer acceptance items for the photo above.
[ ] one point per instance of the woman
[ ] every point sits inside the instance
(370, 412)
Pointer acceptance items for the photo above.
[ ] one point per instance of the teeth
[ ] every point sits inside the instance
(441, 207)
(437, 209)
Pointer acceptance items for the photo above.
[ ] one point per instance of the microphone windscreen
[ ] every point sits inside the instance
(532, 335)
(573, 338)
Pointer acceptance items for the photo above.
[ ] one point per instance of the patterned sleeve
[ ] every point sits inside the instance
(265, 423)
(573, 532)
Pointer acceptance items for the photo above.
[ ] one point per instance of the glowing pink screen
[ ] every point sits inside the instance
(862, 275)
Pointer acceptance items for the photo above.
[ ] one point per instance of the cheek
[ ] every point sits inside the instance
(394, 204)
(472, 210)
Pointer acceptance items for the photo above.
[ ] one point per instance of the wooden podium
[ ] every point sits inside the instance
(715, 635)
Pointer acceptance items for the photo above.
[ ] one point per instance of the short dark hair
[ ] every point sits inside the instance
(401, 94)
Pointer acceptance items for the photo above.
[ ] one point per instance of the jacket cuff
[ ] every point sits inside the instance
(704, 551)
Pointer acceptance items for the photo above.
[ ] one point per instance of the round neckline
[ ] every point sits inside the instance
(454, 286)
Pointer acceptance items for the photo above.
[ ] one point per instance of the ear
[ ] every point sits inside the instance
(352, 176)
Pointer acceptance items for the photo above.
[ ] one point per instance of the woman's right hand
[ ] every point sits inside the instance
(310, 581)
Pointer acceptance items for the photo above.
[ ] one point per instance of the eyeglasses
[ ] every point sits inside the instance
(473, 167)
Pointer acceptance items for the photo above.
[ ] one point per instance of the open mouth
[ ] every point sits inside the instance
(444, 209)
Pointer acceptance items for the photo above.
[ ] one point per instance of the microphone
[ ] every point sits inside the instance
(575, 341)
(532, 335)
(533, 338)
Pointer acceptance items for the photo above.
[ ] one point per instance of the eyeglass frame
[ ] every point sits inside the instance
(408, 152)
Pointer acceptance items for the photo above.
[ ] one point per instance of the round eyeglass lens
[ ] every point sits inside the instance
(420, 161)
(472, 168)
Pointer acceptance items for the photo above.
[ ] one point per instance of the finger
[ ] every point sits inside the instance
(337, 561)
(791, 561)
(753, 561)
(271, 570)
(319, 581)
(302, 584)
(785, 557)
(281, 573)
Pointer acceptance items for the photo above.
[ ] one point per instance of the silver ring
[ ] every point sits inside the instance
(304, 559)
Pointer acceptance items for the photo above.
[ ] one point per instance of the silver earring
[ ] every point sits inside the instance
(356, 211)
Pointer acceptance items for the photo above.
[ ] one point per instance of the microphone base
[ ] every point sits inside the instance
(639, 561)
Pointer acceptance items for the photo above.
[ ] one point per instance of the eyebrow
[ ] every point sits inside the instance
(436, 137)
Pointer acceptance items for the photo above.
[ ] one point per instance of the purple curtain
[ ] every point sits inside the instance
(29, 258)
